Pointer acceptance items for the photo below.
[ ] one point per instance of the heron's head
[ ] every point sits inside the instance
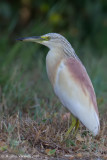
(51, 40)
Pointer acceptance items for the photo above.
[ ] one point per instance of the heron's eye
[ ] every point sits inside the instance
(46, 38)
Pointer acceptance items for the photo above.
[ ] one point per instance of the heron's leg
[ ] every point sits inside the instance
(76, 127)
(74, 121)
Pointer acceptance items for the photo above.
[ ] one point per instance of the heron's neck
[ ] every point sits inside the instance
(69, 51)
(53, 59)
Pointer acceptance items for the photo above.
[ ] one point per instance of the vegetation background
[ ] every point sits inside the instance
(24, 86)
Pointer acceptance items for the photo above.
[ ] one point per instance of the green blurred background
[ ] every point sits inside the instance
(24, 85)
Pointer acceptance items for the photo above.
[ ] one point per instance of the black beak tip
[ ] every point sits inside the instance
(19, 39)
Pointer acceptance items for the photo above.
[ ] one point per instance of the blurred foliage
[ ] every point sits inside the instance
(81, 20)
(22, 71)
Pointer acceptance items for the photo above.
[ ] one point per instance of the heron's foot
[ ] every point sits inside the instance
(74, 126)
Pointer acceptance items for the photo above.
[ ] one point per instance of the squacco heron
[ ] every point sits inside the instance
(70, 80)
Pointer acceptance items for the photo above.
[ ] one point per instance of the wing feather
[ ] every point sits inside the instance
(74, 88)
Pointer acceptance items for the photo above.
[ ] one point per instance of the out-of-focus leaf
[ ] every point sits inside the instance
(50, 151)
(55, 18)
(44, 7)
(5, 10)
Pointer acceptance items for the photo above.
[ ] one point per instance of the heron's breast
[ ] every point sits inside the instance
(53, 62)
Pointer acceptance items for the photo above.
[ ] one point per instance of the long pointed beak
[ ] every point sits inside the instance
(31, 39)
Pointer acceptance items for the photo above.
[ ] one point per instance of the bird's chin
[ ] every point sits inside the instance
(45, 43)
